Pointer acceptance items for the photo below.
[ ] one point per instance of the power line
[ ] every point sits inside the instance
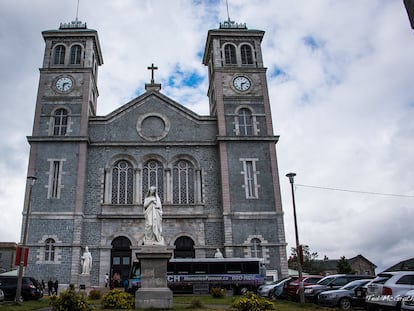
(357, 191)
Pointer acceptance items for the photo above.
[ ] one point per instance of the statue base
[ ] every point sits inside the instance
(154, 292)
(84, 281)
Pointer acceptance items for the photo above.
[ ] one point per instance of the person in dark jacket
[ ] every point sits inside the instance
(50, 287)
(56, 285)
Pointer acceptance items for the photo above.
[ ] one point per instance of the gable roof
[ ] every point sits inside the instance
(405, 265)
(145, 97)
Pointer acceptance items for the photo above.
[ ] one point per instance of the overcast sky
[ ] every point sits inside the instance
(340, 77)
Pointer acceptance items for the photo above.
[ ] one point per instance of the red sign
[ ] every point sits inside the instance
(19, 254)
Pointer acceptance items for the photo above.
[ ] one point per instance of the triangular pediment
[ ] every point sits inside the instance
(152, 117)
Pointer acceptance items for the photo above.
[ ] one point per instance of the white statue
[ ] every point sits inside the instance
(153, 218)
(86, 260)
(218, 254)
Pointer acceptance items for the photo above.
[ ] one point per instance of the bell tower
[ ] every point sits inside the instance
(67, 98)
(238, 97)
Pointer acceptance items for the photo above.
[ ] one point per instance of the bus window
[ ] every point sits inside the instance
(234, 267)
(251, 267)
(200, 268)
(183, 268)
(217, 268)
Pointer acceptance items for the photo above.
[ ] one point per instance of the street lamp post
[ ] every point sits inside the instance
(31, 180)
(291, 177)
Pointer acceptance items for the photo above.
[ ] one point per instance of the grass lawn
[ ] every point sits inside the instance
(181, 303)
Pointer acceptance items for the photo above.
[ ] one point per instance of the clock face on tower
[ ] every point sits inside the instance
(241, 83)
(64, 84)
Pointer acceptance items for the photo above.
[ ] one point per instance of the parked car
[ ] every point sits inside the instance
(1, 296)
(387, 290)
(274, 289)
(291, 290)
(342, 297)
(31, 289)
(407, 303)
(330, 282)
(361, 292)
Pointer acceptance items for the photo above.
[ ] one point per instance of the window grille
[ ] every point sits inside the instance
(55, 181)
(256, 248)
(250, 178)
(60, 122)
(75, 54)
(152, 175)
(183, 183)
(50, 250)
(230, 54)
(245, 122)
(246, 54)
(59, 58)
(122, 183)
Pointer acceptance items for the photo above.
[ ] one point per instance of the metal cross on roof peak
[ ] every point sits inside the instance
(152, 68)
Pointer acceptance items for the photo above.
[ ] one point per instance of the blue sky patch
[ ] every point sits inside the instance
(311, 42)
(186, 78)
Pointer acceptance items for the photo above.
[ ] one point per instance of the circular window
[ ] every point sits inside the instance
(153, 126)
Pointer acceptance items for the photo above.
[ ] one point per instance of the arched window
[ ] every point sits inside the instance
(245, 122)
(75, 54)
(230, 54)
(122, 183)
(256, 248)
(50, 250)
(184, 248)
(183, 182)
(60, 122)
(59, 58)
(153, 175)
(246, 54)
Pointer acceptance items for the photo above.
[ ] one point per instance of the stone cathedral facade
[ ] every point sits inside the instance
(216, 175)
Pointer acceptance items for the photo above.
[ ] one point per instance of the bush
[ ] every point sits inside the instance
(252, 302)
(117, 299)
(70, 300)
(218, 292)
(95, 294)
(196, 303)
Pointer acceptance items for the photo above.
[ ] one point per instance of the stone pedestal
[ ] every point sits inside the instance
(154, 292)
(84, 281)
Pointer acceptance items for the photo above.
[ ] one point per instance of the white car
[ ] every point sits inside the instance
(407, 303)
(388, 289)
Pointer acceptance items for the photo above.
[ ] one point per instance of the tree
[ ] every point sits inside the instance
(309, 264)
(343, 266)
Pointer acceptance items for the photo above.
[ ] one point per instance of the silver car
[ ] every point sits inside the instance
(407, 304)
(273, 289)
(341, 297)
(387, 290)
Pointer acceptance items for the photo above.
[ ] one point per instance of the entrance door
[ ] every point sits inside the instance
(120, 261)
(184, 248)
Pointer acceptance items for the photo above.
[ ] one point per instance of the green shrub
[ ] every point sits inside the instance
(70, 300)
(95, 294)
(218, 292)
(117, 299)
(196, 303)
(252, 302)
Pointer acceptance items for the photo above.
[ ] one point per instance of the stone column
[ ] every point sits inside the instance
(154, 292)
